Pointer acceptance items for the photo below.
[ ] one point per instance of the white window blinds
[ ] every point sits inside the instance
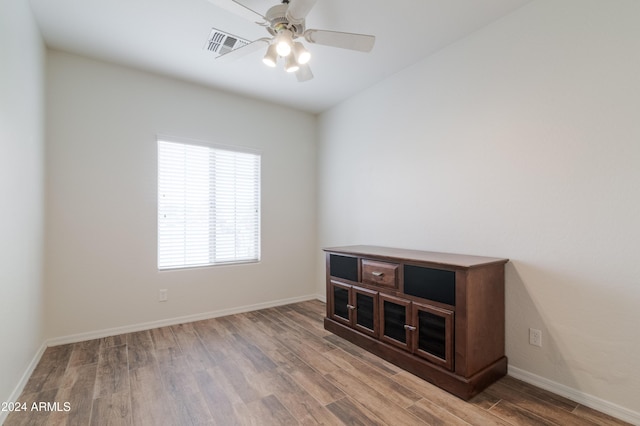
(208, 206)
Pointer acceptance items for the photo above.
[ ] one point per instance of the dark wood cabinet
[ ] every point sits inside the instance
(354, 306)
(437, 315)
(340, 302)
(424, 330)
(394, 321)
(365, 311)
(433, 334)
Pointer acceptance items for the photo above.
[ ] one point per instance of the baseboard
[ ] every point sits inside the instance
(585, 399)
(23, 380)
(81, 337)
(575, 395)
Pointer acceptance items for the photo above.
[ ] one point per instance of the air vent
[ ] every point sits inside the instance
(220, 42)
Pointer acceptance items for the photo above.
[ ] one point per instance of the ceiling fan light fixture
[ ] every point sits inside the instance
(283, 42)
(290, 64)
(271, 57)
(302, 55)
(285, 23)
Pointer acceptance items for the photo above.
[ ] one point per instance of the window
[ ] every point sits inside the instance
(208, 205)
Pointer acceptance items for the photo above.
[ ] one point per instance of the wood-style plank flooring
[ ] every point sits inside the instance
(276, 366)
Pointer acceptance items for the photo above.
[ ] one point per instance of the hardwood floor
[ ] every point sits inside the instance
(277, 366)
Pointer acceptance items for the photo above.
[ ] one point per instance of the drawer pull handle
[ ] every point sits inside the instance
(377, 274)
(351, 307)
(409, 327)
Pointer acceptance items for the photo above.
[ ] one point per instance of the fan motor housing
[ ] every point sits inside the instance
(277, 18)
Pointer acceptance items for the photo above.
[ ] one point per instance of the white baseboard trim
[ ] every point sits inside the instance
(81, 337)
(575, 395)
(580, 397)
(23, 380)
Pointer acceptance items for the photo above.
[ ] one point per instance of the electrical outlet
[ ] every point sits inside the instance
(535, 337)
(163, 295)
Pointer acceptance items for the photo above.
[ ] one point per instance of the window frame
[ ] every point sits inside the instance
(216, 147)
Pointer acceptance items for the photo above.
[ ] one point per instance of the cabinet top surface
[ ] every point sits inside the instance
(445, 259)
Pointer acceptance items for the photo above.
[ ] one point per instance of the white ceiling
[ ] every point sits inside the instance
(168, 37)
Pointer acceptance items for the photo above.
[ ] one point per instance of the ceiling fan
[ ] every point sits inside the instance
(285, 23)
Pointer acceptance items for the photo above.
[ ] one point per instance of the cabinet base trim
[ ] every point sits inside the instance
(464, 388)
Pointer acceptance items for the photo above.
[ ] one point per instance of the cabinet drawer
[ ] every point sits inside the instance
(380, 273)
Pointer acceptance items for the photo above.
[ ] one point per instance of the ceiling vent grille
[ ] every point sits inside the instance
(220, 42)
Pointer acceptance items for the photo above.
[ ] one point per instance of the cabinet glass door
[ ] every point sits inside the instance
(366, 309)
(434, 334)
(394, 318)
(340, 306)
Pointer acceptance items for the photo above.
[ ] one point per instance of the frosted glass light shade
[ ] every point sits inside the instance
(271, 56)
(290, 64)
(302, 55)
(283, 43)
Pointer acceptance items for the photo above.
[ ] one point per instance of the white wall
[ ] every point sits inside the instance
(520, 141)
(101, 269)
(21, 192)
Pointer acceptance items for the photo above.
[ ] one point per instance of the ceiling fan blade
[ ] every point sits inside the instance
(299, 9)
(244, 50)
(304, 73)
(360, 42)
(242, 3)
